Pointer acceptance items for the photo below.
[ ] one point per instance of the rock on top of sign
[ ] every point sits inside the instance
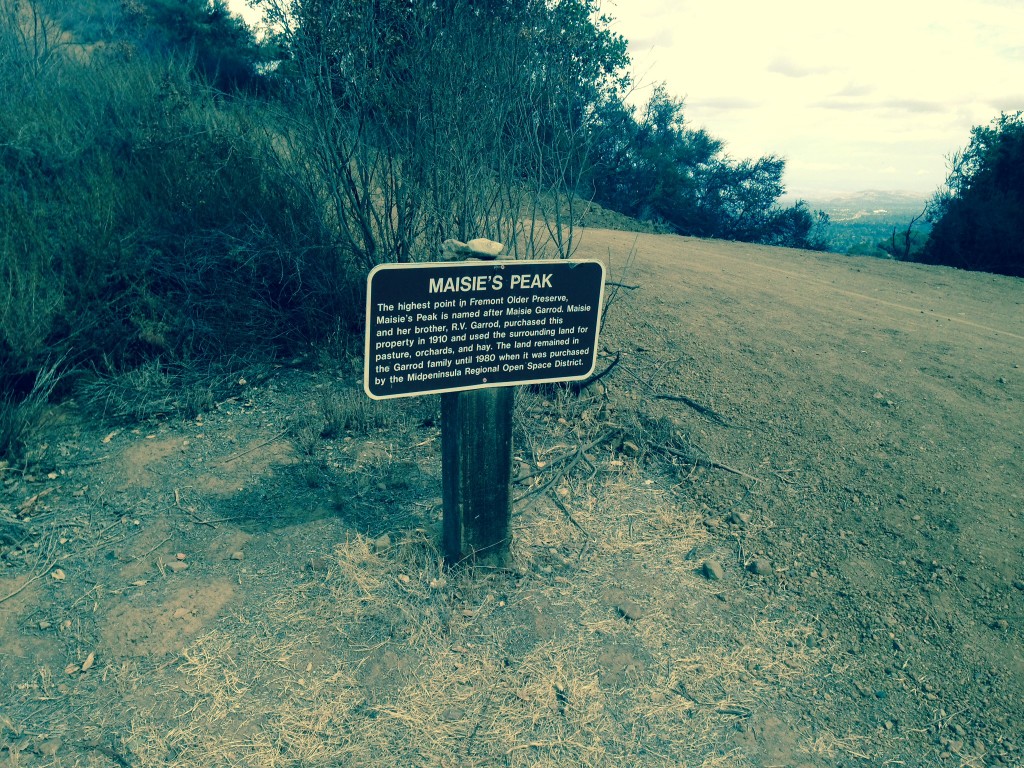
(480, 247)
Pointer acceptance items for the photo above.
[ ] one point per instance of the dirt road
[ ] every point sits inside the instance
(890, 398)
(784, 530)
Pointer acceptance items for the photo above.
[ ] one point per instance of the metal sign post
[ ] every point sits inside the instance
(470, 331)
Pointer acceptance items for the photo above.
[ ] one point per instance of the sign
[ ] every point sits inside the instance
(444, 327)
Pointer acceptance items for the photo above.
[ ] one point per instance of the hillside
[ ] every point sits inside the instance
(792, 537)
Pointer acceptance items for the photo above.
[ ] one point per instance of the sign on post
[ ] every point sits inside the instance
(447, 327)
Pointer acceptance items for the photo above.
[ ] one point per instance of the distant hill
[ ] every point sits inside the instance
(860, 220)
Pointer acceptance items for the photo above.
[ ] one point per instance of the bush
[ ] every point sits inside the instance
(143, 215)
(977, 217)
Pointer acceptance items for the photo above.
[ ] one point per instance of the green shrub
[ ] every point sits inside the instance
(144, 216)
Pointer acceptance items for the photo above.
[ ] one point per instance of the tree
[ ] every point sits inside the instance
(414, 121)
(220, 45)
(977, 221)
(653, 166)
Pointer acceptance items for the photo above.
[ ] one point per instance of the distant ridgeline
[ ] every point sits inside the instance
(862, 221)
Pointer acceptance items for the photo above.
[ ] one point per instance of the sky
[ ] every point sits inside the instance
(872, 94)
(864, 95)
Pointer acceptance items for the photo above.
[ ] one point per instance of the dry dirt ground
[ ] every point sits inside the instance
(785, 530)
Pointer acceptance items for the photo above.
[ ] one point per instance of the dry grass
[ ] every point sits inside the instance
(386, 659)
(21, 419)
(601, 646)
(160, 388)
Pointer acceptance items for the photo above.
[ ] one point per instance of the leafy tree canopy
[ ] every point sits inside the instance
(977, 216)
(223, 48)
(653, 166)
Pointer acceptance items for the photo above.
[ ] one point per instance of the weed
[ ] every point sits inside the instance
(157, 388)
(21, 419)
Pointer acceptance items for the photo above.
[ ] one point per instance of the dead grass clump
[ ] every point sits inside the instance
(20, 419)
(159, 388)
(348, 410)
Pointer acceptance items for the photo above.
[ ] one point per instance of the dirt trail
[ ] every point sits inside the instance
(892, 397)
(794, 541)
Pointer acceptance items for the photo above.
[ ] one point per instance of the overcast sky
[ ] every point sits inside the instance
(872, 94)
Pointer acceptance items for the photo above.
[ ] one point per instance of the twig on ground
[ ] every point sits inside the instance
(574, 454)
(43, 571)
(250, 449)
(703, 410)
(706, 462)
(149, 552)
(577, 457)
(578, 386)
(568, 514)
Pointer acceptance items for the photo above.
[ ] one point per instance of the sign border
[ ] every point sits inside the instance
(497, 264)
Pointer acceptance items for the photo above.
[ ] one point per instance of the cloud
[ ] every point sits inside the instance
(917, 106)
(914, 106)
(843, 105)
(785, 66)
(854, 90)
(1008, 104)
(660, 38)
(725, 103)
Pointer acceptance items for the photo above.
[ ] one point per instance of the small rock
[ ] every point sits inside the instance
(955, 746)
(57, 574)
(381, 543)
(181, 556)
(44, 624)
(239, 555)
(711, 523)
(49, 747)
(1001, 624)
(712, 570)
(481, 246)
(404, 578)
(452, 714)
(630, 610)
(440, 583)
(1019, 584)
(630, 448)
(760, 566)
(89, 661)
(741, 519)
(176, 566)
